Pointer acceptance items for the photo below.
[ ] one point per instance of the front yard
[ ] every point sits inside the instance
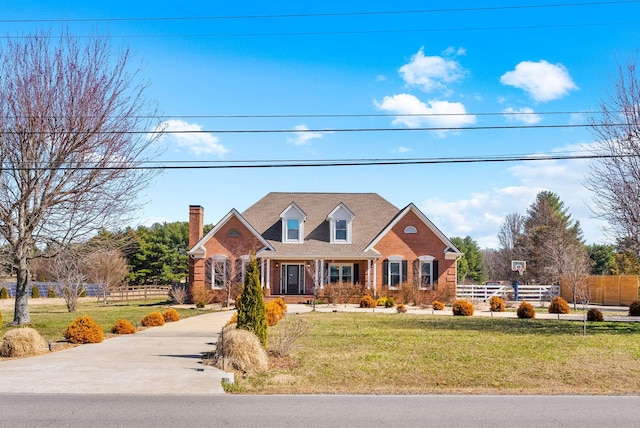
(365, 353)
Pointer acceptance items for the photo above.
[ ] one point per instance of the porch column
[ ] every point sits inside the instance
(375, 277)
(321, 273)
(368, 274)
(268, 273)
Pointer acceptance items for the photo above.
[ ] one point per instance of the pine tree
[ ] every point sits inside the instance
(35, 292)
(251, 312)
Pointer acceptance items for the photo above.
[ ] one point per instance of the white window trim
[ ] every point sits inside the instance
(398, 260)
(340, 266)
(421, 261)
(218, 258)
(293, 213)
(410, 230)
(341, 212)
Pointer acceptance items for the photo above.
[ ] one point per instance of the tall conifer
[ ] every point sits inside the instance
(251, 312)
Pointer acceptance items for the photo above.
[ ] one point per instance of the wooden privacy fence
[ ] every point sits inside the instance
(525, 292)
(137, 293)
(607, 290)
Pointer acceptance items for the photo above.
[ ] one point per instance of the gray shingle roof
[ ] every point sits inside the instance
(372, 214)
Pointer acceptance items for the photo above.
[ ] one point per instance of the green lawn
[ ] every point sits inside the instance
(412, 354)
(52, 320)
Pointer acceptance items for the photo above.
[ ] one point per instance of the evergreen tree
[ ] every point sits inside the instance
(471, 268)
(251, 311)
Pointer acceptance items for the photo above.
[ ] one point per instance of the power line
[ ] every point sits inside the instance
(330, 163)
(326, 14)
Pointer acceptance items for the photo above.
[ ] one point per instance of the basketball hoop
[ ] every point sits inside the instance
(519, 266)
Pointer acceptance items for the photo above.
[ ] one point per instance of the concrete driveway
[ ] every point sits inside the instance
(158, 360)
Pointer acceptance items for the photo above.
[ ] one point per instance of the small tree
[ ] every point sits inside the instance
(68, 273)
(251, 311)
(107, 269)
(318, 273)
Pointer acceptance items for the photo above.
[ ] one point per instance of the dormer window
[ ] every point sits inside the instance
(293, 224)
(340, 221)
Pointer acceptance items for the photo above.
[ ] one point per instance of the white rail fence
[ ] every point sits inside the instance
(525, 292)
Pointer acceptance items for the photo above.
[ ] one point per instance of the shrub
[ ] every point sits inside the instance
(171, 315)
(178, 294)
(559, 306)
(4, 293)
(0, 319)
(51, 292)
(401, 308)
(496, 304)
(153, 319)
(241, 350)
(594, 314)
(22, 342)
(273, 312)
(233, 320)
(634, 309)
(83, 293)
(35, 293)
(525, 310)
(437, 305)
(200, 304)
(367, 302)
(390, 303)
(462, 308)
(381, 301)
(280, 302)
(84, 330)
(283, 339)
(123, 327)
(251, 311)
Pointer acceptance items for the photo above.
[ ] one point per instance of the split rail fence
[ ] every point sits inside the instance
(137, 293)
(525, 292)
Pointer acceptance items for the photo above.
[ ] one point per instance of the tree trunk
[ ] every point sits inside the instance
(21, 312)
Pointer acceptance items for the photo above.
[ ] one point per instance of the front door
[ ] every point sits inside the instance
(293, 279)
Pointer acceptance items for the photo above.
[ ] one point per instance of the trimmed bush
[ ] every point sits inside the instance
(153, 319)
(22, 342)
(634, 309)
(123, 327)
(233, 320)
(559, 306)
(171, 315)
(4, 293)
(437, 305)
(401, 308)
(241, 350)
(51, 292)
(496, 304)
(273, 311)
(594, 314)
(385, 301)
(526, 310)
(84, 330)
(280, 302)
(35, 293)
(367, 302)
(462, 308)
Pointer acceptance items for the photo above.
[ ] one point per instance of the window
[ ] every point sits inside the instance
(217, 272)
(410, 229)
(241, 268)
(428, 272)
(341, 273)
(341, 230)
(394, 272)
(293, 229)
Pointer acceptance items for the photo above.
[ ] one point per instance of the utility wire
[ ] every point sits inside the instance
(326, 15)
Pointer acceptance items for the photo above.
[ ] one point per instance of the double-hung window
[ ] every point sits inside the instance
(341, 230)
(394, 272)
(217, 272)
(341, 273)
(293, 229)
(428, 271)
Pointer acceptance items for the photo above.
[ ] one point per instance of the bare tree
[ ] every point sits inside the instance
(73, 125)
(67, 270)
(319, 275)
(107, 269)
(614, 178)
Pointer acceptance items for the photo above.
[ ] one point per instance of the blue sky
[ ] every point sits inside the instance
(362, 64)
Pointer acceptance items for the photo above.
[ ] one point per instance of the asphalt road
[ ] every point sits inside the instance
(310, 411)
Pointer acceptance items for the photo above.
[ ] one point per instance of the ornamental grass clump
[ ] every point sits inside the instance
(84, 330)
(634, 309)
(437, 305)
(171, 315)
(22, 342)
(367, 302)
(462, 308)
(526, 310)
(241, 350)
(496, 304)
(594, 314)
(559, 306)
(123, 327)
(153, 319)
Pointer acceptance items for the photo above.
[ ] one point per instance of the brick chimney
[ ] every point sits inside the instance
(196, 224)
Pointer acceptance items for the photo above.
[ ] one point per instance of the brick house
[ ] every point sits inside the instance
(308, 240)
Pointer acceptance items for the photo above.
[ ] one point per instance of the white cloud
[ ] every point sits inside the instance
(524, 115)
(303, 136)
(438, 114)
(481, 214)
(541, 80)
(403, 149)
(188, 136)
(431, 73)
